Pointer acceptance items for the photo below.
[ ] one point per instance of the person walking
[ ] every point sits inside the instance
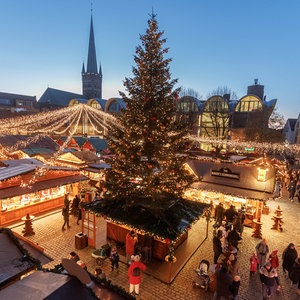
(292, 189)
(135, 275)
(288, 258)
(269, 280)
(217, 246)
(66, 215)
(262, 249)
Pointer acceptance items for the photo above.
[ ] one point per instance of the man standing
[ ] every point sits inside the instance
(66, 214)
(262, 250)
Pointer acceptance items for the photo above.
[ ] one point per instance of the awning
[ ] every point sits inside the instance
(40, 185)
(233, 191)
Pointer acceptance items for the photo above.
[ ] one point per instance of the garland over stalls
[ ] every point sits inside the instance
(259, 147)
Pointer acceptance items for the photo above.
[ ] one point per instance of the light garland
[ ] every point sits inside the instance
(260, 147)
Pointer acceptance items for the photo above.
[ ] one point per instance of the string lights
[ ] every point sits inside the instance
(259, 147)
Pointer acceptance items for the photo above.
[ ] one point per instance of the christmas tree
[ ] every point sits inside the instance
(149, 142)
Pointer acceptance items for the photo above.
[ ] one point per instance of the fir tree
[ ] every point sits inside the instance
(149, 143)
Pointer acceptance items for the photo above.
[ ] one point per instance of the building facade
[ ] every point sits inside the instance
(222, 118)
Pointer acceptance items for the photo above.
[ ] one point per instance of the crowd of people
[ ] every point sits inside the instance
(227, 237)
(289, 181)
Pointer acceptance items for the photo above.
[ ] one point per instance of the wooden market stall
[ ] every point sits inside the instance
(229, 183)
(35, 189)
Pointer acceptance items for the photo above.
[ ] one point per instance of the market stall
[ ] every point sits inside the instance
(228, 183)
(30, 193)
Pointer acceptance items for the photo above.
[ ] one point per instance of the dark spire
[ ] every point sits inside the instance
(100, 70)
(92, 60)
(83, 69)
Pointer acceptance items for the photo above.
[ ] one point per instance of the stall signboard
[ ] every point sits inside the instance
(225, 172)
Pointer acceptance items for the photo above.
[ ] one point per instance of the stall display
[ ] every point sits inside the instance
(32, 198)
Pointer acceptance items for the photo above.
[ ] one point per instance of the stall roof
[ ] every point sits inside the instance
(46, 285)
(233, 175)
(233, 191)
(9, 172)
(40, 185)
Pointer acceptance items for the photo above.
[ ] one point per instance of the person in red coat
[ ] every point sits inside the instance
(274, 260)
(131, 240)
(253, 263)
(135, 275)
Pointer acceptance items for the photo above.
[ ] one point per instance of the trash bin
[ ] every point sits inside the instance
(81, 240)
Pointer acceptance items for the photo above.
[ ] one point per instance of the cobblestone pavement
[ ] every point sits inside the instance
(58, 244)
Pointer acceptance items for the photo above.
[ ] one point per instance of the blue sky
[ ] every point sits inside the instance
(212, 43)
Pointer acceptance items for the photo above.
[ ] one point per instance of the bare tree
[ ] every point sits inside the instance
(189, 92)
(258, 127)
(276, 120)
(221, 91)
(215, 120)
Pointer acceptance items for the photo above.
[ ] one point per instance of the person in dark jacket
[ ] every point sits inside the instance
(66, 215)
(288, 257)
(292, 189)
(219, 214)
(217, 246)
(233, 238)
(223, 284)
(230, 214)
(235, 286)
(269, 279)
(294, 275)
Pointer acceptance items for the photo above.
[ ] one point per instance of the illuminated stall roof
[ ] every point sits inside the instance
(39, 186)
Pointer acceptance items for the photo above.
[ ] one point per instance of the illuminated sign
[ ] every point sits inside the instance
(225, 173)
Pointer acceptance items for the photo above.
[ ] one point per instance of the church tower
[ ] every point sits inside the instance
(91, 78)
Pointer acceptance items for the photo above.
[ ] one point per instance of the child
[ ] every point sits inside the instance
(274, 260)
(114, 258)
(253, 263)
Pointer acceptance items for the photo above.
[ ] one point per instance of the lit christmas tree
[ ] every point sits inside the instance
(150, 144)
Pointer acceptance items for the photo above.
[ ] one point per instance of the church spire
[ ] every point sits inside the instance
(92, 60)
(91, 79)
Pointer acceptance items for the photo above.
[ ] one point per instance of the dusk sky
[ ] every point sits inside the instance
(212, 44)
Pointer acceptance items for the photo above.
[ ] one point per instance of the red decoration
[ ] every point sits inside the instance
(167, 241)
